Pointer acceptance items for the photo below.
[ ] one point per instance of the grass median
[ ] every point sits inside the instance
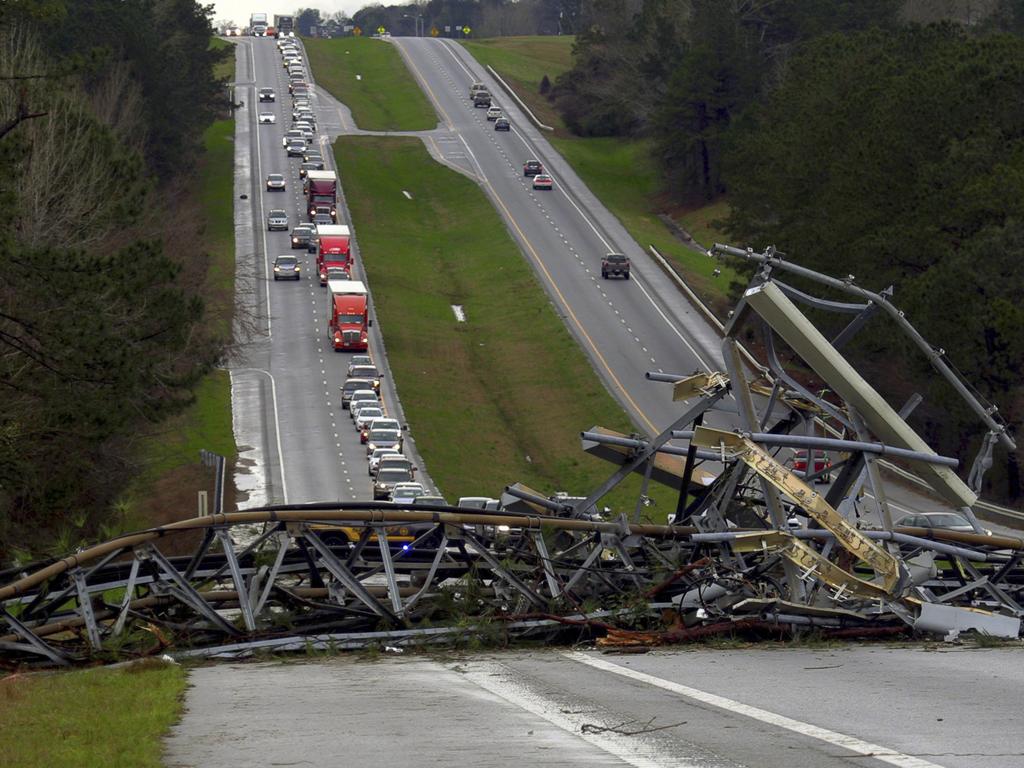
(370, 78)
(621, 172)
(503, 396)
(89, 718)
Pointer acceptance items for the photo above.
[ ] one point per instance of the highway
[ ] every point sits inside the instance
(296, 442)
(837, 707)
(625, 327)
(765, 707)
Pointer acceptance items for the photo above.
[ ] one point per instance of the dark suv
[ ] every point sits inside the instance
(532, 168)
(615, 264)
(482, 99)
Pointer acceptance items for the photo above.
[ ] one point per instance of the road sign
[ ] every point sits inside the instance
(466, 30)
(434, 32)
(357, 31)
(381, 30)
(447, 28)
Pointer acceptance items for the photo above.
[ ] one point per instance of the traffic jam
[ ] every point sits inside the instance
(322, 236)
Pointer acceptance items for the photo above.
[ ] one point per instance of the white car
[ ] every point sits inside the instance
(493, 113)
(362, 396)
(385, 424)
(268, 118)
(376, 456)
(358, 360)
(358, 406)
(406, 493)
(291, 136)
(367, 414)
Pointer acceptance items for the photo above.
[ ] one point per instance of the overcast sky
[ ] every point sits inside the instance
(239, 11)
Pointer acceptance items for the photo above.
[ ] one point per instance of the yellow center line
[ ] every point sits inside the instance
(539, 263)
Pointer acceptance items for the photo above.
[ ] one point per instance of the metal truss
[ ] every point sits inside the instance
(753, 544)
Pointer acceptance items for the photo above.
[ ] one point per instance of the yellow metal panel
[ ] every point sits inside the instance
(848, 537)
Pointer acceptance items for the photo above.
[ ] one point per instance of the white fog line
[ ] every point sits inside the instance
(277, 424)
(493, 678)
(833, 738)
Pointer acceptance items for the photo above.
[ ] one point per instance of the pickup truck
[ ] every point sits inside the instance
(615, 264)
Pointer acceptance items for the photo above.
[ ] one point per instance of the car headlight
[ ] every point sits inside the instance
(371, 447)
(277, 269)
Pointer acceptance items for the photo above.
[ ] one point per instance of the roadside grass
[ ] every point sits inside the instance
(89, 718)
(165, 488)
(216, 195)
(386, 97)
(523, 62)
(226, 69)
(621, 172)
(497, 399)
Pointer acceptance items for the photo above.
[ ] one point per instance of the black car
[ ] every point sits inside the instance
(296, 148)
(322, 218)
(287, 268)
(267, 94)
(312, 155)
(532, 167)
(301, 236)
(482, 99)
(307, 167)
(502, 124)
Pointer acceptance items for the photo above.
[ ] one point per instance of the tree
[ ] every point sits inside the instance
(898, 157)
(716, 78)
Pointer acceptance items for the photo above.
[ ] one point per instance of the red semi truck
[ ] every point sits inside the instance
(349, 317)
(321, 190)
(334, 249)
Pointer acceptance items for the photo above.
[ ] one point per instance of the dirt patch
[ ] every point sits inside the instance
(173, 497)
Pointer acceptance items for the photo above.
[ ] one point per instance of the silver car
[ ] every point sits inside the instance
(383, 438)
(277, 219)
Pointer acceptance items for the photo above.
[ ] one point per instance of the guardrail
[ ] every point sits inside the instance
(520, 102)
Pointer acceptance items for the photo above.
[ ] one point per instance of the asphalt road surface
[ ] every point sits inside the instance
(296, 442)
(859, 706)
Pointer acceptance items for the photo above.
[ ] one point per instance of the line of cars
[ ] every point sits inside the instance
(394, 475)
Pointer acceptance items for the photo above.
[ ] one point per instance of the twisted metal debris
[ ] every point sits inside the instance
(753, 546)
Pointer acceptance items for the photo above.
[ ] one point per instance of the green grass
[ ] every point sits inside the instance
(511, 383)
(90, 718)
(226, 69)
(204, 424)
(386, 98)
(621, 172)
(216, 195)
(523, 62)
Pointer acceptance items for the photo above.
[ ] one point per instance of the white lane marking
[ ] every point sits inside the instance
(277, 425)
(259, 186)
(841, 740)
(493, 678)
(671, 325)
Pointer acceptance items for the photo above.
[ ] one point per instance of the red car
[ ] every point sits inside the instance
(543, 181)
(822, 464)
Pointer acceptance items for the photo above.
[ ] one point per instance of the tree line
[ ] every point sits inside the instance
(858, 141)
(102, 335)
